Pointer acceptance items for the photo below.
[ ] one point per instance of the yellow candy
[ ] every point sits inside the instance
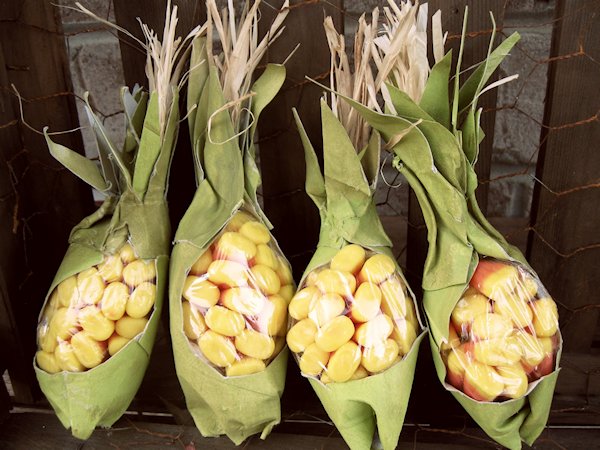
(64, 323)
(141, 300)
(404, 334)
(453, 340)
(514, 309)
(68, 294)
(313, 360)
(111, 269)
(239, 219)
(311, 279)
(380, 357)
(515, 381)
(325, 378)
(484, 380)
(273, 319)
(139, 271)
(130, 327)
(344, 362)
(224, 321)
(301, 335)
(46, 338)
(200, 267)
(394, 301)
(377, 268)
(335, 282)
(127, 254)
(228, 273)
(90, 286)
(193, 321)
(284, 272)
(287, 292)
(265, 279)
(527, 288)
(471, 305)
(235, 246)
(335, 334)
(533, 350)
(360, 373)
(245, 366)
(47, 362)
(301, 302)
(497, 352)
(66, 359)
(254, 344)
(349, 259)
(116, 343)
(266, 257)
(457, 361)
(375, 331)
(217, 349)
(200, 292)
(545, 317)
(490, 326)
(114, 300)
(256, 232)
(245, 300)
(366, 302)
(89, 351)
(95, 324)
(324, 309)
(52, 306)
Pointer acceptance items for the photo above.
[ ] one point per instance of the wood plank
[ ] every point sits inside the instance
(42, 199)
(564, 246)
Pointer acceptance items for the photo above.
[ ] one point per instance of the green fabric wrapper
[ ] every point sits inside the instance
(99, 396)
(227, 179)
(344, 196)
(438, 164)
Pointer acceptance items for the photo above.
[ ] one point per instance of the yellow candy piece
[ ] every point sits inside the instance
(254, 344)
(336, 282)
(301, 335)
(245, 300)
(453, 340)
(265, 279)
(313, 360)
(66, 359)
(349, 259)
(485, 384)
(64, 323)
(375, 331)
(89, 351)
(266, 257)
(111, 269)
(471, 305)
(325, 378)
(273, 319)
(236, 247)
(138, 272)
(366, 303)
(90, 286)
(301, 302)
(359, 373)
(116, 343)
(497, 352)
(325, 308)
(200, 267)
(130, 327)
(335, 334)
(95, 324)
(141, 300)
(239, 219)
(311, 279)
(200, 292)
(256, 232)
(127, 254)
(46, 338)
(490, 326)
(228, 273)
(67, 291)
(377, 268)
(245, 366)
(533, 350)
(224, 321)
(52, 306)
(217, 349)
(527, 288)
(344, 362)
(193, 321)
(380, 357)
(545, 317)
(114, 300)
(284, 272)
(404, 334)
(287, 292)
(47, 362)
(394, 301)
(457, 361)
(515, 381)
(514, 309)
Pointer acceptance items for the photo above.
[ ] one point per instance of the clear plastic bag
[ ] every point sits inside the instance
(235, 298)
(92, 315)
(351, 318)
(503, 333)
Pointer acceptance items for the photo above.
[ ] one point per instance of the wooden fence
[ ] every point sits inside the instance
(40, 201)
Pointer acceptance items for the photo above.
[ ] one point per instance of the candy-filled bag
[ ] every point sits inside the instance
(97, 326)
(229, 282)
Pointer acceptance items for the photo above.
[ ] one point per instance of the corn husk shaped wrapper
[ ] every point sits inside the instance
(134, 211)
(227, 179)
(344, 196)
(438, 163)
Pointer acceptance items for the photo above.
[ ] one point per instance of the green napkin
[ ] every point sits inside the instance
(436, 153)
(344, 196)
(135, 210)
(227, 178)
